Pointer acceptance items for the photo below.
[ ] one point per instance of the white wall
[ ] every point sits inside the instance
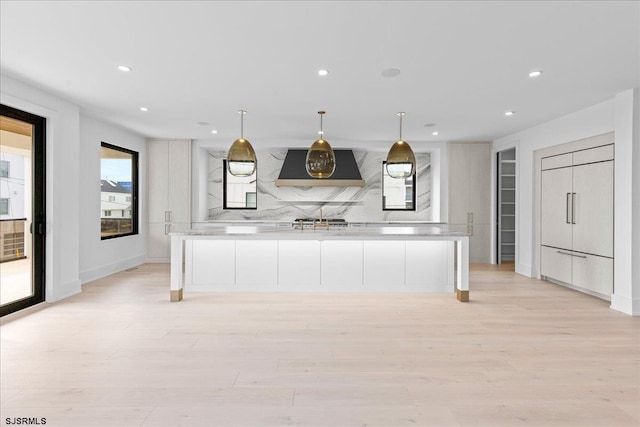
(99, 258)
(63, 173)
(73, 242)
(594, 120)
(616, 115)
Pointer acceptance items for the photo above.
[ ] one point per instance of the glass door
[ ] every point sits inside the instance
(22, 209)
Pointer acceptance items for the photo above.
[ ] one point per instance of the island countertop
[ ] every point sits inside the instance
(287, 232)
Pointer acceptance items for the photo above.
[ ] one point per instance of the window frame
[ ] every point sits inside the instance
(134, 190)
(413, 179)
(224, 190)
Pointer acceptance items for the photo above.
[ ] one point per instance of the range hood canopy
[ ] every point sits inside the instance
(294, 172)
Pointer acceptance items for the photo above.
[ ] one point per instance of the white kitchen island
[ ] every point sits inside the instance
(272, 258)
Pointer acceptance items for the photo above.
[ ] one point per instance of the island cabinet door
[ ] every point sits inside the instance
(384, 265)
(298, 265)
(210, 265)
(256, 264)
(341, 265)
(427, 266)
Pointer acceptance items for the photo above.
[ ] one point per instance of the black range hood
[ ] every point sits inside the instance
(294, 171)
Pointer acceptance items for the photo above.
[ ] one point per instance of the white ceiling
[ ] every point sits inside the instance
(463, 64)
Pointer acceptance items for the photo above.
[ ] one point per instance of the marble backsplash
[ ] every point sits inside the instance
(355, 204)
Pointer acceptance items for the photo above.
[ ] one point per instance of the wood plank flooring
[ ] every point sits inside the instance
(521, 353)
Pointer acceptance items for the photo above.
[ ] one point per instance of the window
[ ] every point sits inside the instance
(118, 179)
(4, 169)
(398, 194)
(239, 192)
(4, 206)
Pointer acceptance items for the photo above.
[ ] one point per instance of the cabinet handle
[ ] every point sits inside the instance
(167, 228)
(575, 255)
(573, 208)
(567, 209)
(471, 213)
(166, 216)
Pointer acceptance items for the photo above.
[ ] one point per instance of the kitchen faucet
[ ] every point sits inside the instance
(320, 223)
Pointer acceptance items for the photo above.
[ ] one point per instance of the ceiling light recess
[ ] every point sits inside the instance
(509, 113)
(390, 73)
(321, 160)
(401, 162)
(124, 68)
(144, 109)
(535, 73)
(241, 158)
(323, 72)
(434, 133)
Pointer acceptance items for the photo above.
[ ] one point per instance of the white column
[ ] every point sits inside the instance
(626, 296)
(462, 273)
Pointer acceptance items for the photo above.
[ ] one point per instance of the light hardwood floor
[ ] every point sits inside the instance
(521, 353)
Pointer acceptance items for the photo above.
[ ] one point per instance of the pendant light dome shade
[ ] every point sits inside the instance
(241, 159)
(401, 162)
(321, 160)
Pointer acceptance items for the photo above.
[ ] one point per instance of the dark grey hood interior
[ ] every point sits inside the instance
(294, 172)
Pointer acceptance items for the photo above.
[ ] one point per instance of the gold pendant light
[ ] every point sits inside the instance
(321, 161)
(241, 159)
(401, 162)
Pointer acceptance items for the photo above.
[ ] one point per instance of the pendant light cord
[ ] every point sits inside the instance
(400, 114)
(242, 113)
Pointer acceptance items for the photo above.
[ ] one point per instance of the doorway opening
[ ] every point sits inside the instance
(22, 209)
(506, 208)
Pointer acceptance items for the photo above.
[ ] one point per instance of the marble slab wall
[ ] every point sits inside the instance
(354, 204)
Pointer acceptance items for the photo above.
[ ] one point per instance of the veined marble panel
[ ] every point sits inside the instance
(355, 204)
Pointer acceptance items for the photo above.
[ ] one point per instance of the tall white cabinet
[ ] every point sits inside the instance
(576, 219)
(169, 196)
(470, 196)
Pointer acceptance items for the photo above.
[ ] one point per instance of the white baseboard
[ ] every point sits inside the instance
(75, 288)
(524, 269)
(625, 304)
(109, 269)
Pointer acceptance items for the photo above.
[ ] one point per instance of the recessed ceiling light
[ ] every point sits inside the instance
(124, 68)
(390, 73)
(214, 131)
(203, 123)
(323, 72)
(535, 73)
(434, 133)
(509, 113)
(144, 109)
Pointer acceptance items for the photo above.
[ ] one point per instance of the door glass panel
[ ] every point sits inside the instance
(16, 256)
